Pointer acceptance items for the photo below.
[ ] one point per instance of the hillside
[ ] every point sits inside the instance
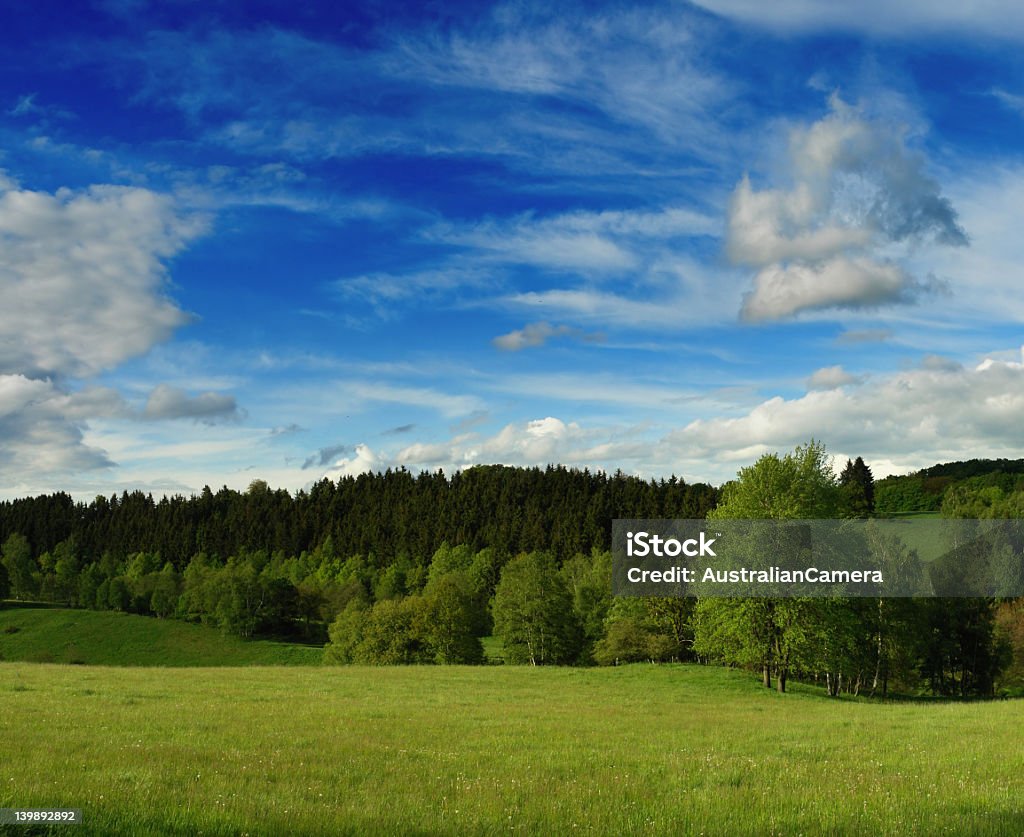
(963, 489)
(58, 635)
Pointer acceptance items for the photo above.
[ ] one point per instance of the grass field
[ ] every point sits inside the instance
(57, 635)
(632, 750)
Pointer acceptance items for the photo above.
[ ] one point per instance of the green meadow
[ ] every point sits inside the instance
(88, 637)
(640, 749)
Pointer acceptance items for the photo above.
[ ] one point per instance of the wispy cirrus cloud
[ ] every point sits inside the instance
(853, 337)
(1012, 101)
(473, 85)
(589, 243)
(998, 19)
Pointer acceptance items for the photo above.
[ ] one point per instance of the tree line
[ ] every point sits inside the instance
(519, 554)
(389, 514)
(266, 561)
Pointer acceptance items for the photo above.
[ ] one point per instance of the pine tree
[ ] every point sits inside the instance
(858, 487)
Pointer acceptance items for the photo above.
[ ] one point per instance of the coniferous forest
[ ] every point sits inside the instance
(393, 568)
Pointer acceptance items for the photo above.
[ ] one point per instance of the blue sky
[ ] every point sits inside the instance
(288, 241)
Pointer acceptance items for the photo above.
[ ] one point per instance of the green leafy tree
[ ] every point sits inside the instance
(533, 613)
(346, 633)
(89, 581)
(589, 581)
(166, 590)
(644, 629)
(21, 569)
(65, 569)
(393, 634)
(627, 640)
(450, 618)
(769, 634)
(119, 595)
(5, 584)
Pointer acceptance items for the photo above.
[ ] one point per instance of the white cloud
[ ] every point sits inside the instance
(859, 197)
(670, 311)
(530, 86)
(535, 334)
(83, 278)
(832, 377)
(535, 442)
(658, 79)
(937, 363)
(782, 291)
(1002, 19)
(774, 226)
(40, 428)
(898, 422)
(907, 419)
(363, 461)
(167, 402)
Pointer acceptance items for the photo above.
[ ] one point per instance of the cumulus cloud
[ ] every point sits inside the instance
(908, 419)
(83, 280)
(167, 402)
(40, 428)
(363, 460)
(536, 442)
(782, 291)
(938, 363)
(83, 275)
(858, 196)
(898, 422)
(832, 377)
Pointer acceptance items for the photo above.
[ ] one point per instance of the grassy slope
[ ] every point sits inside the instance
(107, 638)
(637, 749)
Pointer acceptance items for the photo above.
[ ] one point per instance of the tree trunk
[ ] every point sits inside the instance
(878, 650)
(780, 681)
(766, 676)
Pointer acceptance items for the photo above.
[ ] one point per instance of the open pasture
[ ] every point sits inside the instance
(422, 750)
